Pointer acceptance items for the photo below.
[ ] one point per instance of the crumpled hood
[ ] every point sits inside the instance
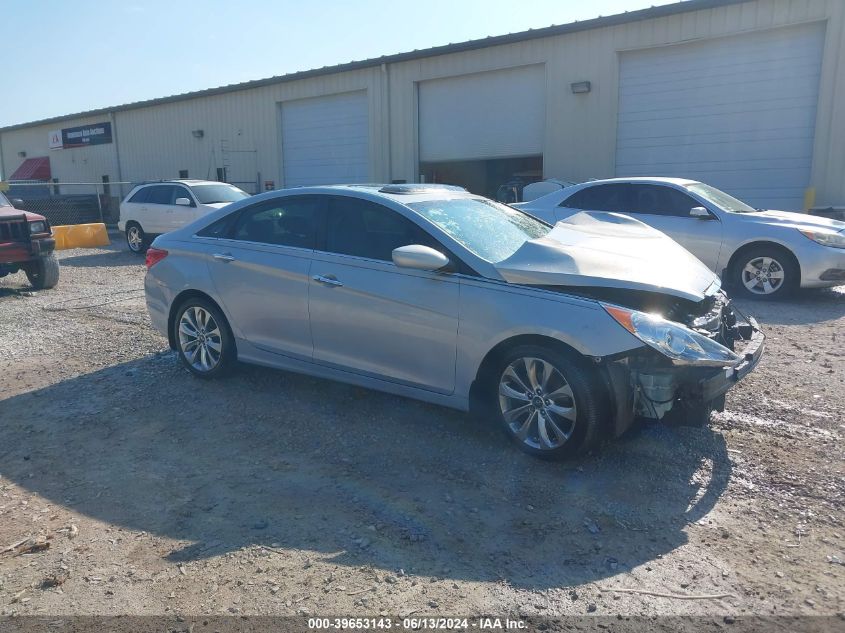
(609, 250)
(798, 220)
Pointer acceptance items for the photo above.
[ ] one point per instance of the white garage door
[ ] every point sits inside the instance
(738, 113)
(325, 140)
(496, 114)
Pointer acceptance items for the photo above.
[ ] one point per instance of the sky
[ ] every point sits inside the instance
(66, 56)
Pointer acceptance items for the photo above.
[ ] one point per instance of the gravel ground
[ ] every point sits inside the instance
(146, 491)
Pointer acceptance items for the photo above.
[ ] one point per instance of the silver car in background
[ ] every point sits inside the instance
(561, 334)
(762, 254)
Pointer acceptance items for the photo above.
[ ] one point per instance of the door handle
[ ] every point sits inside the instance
(223, 257)
(329, 280)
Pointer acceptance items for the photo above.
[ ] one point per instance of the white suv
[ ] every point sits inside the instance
(154, 208)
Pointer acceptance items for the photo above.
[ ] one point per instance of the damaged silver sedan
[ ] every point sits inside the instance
(562, 335)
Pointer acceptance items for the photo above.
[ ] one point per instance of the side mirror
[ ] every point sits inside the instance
(17, 203)
(419, 257)
(701, 213)
(183, 202)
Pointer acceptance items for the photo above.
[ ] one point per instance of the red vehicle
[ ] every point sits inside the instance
(27, 244)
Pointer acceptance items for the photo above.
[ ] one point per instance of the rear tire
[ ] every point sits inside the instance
(203, 338)
(136, 239)
(765, 273)
(551, 406)
(43, 273)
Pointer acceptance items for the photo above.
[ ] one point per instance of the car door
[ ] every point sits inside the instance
(154, 218)
(134, 208)
(668, 209)
(372, 317)
(177, 215)
(260, 268)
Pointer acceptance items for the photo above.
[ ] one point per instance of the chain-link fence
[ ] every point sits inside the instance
(70, 202)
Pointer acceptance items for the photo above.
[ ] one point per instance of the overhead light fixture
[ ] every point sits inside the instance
(581, 87)
(22, 154)
(198, 133)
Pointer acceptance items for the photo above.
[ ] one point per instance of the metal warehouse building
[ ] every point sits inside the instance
(748, 95)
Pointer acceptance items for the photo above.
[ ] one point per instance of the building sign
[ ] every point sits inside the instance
(55, 139)
(81, 136)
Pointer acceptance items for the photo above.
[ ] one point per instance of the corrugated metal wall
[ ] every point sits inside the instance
(580, 129)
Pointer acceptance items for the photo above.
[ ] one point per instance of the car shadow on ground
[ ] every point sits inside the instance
(353, 476)
(25, 289)
(112, 255)
(825, 304)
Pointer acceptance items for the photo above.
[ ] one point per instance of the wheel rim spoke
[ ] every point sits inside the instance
(559, 431)
(512, 414)
(531, 370)
(564, 391)
(525, 429)
(543, 431)
(187, 329)
(510, 372)
(751, 284)
(567, 413)
(509, 392)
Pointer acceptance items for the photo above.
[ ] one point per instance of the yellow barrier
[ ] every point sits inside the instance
(80, 236)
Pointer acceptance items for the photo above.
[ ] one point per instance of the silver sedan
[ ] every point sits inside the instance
(762, 253)
(560, 334)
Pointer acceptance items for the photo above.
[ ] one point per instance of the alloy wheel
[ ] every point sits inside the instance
(134, 238)
(537, 403)
(200, 339)
(763, 276)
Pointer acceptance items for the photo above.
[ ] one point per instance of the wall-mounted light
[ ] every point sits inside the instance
(198, 133)
(581, 87)
(22, 154)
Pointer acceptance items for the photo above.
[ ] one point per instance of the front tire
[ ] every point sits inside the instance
(551, 406)
(136, 239)
(203, 338)
(43, 273)
(766, 272)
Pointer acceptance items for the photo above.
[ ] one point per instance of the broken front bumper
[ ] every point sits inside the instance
(647, 385)
(718, 384)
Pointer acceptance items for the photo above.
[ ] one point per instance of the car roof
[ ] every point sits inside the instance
(643, 179)
(181, 181)
(404, 193)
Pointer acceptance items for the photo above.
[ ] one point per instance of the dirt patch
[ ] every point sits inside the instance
(273, 493)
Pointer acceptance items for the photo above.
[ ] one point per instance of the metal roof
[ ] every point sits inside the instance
(33, 169)
(683, 6)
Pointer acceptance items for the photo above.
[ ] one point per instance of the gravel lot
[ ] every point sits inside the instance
(273, 493)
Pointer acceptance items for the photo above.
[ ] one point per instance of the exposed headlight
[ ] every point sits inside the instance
(825, 237)
(673, 340)
(38, 227)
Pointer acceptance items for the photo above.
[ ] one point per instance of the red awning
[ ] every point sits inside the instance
(33, 169)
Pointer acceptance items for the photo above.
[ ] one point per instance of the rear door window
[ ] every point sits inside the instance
(612, 197)
(160, 194)
(661, 200)
(290, 221)
(140, 195)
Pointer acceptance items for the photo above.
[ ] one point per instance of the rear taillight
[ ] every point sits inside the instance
(154, 256)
